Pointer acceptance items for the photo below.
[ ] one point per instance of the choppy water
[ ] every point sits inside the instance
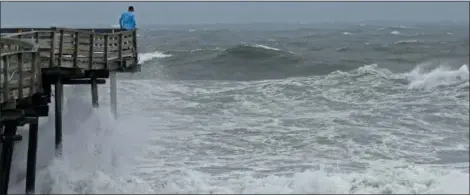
(297, 109)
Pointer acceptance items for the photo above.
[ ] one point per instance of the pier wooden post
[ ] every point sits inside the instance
(58, 116)
(8, 138)
(94, 92)
(113, 93)
(32, 154)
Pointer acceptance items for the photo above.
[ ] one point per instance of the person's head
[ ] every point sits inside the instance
(131, 9)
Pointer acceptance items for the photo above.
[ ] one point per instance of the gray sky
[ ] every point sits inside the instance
(67, 14)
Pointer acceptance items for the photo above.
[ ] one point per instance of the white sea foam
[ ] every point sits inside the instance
(395, 32)
(442, 75)
(266, 47)
(144, 57)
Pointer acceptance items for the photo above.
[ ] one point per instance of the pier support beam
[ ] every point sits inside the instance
(94, 92)
(32, 154)
(58, 116)
(113, 92)
(7, 138)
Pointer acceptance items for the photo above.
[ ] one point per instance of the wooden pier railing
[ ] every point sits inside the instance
(86, 50)
(32, 60)
(20, 70)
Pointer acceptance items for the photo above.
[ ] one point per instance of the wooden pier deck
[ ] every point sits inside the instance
(32, 60)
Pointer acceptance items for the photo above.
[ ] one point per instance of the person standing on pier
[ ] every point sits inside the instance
(127, 20)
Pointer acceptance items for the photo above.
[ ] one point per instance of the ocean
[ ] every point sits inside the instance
(271, 108)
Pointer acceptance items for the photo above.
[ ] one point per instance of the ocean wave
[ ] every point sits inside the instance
(341, 49)
(96, 161)
(394, 28)
(267, 47)
(381, 179)
(395, 32)
(254, 55)
(209, 49)
(440, 76)
(252, 51)
(405, 42)
(145, 57)
(418, 77)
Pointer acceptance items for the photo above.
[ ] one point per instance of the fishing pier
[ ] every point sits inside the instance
(34, 60)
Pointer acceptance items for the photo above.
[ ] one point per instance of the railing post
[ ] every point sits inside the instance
(136, 52)
(52, 52)
(75, 50)
(91, 52)
(21, 74)
(6, 90)
(36, 37)
(106, 47)
(36, 67)
(61, 46)
(34, 74)
(113, 89)
(20, 71)
(120, 45)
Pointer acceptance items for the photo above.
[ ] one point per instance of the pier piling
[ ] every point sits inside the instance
(113, 93)
(94, 92)
(32, 156)
(32, 60)
(58, 116)
(8, 139)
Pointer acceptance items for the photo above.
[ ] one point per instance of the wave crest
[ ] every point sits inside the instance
(252, 51)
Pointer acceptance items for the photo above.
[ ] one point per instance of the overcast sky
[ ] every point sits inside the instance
(46, 14)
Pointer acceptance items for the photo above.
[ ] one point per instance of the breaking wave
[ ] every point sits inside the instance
(145, 57)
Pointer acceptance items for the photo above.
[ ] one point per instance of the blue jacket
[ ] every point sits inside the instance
(127, 20)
